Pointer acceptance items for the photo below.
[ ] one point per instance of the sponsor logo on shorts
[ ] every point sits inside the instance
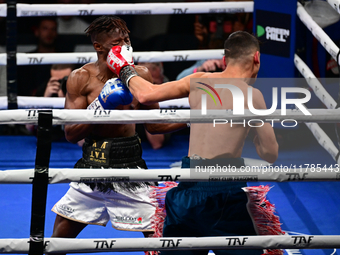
(65, 208)
(128, 220)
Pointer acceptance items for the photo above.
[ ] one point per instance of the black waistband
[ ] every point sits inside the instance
(120, 152)
(216, 185)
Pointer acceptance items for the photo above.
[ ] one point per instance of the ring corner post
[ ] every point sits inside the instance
(40, 183)
(275, 27)
(11, 50)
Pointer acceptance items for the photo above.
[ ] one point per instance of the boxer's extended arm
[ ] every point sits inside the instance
(147, 93)
(159, 128)
(74, 99)
(265, 141)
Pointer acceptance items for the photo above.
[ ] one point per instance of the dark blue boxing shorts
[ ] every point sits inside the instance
(203, 209)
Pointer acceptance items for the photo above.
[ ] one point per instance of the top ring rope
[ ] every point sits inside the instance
(85, 57)
(24, 10)
(318, 32)
(61, 117)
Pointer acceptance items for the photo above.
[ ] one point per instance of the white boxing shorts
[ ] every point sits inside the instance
(131, 210)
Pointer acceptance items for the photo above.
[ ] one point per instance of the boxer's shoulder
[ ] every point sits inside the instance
(79, 79)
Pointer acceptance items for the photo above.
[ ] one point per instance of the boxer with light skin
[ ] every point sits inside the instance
(198, 209)
(95, 87)
(242, 65)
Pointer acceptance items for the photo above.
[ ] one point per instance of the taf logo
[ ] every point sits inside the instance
(204, 97)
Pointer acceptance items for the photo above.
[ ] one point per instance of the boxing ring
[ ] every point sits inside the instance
(300, 236)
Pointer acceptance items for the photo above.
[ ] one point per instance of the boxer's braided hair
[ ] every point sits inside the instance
(106, 24)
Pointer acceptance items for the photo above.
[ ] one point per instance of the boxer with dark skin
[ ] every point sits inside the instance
(84, 85)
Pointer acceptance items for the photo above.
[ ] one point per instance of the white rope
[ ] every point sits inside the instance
(70, 245)
(24, 10)
(314, 83)
(323, 140)
(59, 102)
(335, 4)
(85, 57)
(327, 100)
(3, 10)
(61, 117)
(318, 32)
(3, 102)
(292, 172)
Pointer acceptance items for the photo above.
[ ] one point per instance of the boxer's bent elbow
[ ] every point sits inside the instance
(145, 99)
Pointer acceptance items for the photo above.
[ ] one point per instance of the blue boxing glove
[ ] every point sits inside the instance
(114, 93)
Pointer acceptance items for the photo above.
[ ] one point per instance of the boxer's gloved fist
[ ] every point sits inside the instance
(114, 93)
(120, 61)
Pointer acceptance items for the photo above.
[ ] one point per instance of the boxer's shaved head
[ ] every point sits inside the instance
(240, 44)
(106, 24)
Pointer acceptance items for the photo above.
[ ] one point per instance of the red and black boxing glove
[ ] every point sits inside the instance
(120, 61)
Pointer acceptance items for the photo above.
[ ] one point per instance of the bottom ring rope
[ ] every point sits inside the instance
(280, 173)
(67, 245)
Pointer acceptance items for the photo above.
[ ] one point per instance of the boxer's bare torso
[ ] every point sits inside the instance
(83, 86)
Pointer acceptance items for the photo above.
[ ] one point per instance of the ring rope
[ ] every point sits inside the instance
(59, 102)
(318, 32)
(248, 173)
(324, 140)
(326, 99)
(314, 83)
(81, 116)
(85, 57)
(68, 245)
(29, 10)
